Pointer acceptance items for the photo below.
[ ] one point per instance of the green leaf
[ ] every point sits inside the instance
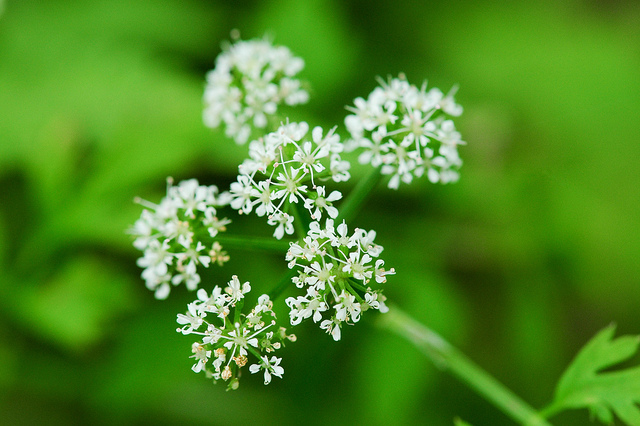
(584, 385)
(75, 308)
(459, 422)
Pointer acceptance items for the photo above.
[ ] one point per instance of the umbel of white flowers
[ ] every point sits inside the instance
(285, 168)
(337, 270)
(402, 130)
(229, 337)
(250, 80)
(407, 131)
(177, 236)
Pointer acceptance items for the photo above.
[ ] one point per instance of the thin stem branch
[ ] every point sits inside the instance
(356, 198)
(253, 243)
(282, 285)
(449, 358)
(300, 226)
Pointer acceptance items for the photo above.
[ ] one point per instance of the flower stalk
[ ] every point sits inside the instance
(253, 243)
(449, 358)
(351, 205)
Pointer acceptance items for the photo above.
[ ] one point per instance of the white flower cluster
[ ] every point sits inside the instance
(408, 131)
(250, 79)
(336, 269)
(229, 336)
(285, 168)
(177, 236)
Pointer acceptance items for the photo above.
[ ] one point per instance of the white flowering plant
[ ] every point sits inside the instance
(294, 177)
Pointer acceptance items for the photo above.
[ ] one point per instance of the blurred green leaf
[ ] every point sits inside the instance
(584, 385)
(74, 308)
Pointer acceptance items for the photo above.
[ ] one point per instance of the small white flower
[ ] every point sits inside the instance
(316, 205)
(213, 224)
(376, 301)
(284, 224)
(241, 193)
(310, 306)
(332, 327)
(201, 355)
(357, 265)
(347, 307)
(237, 290)
(380, 273)
(270, 366)
(192, 320)
(263, 196)
(187, 274)
(264, 304)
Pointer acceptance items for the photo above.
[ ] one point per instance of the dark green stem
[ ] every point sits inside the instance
(252, 243)
(282, 285)
(351, 205)
(447, 357)
(299, 224)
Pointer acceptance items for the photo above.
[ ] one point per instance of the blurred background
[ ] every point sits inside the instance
(518, 264)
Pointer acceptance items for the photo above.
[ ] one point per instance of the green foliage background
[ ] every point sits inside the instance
(519, 264)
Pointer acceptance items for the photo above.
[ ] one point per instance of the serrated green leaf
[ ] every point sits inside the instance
(584, 385)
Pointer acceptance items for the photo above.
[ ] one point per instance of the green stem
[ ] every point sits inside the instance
(300, 226)
(552, 410)
(252, 243)
(447, 357)
(284, 283)
(354, 201)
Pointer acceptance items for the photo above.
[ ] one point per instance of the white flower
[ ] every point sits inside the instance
(285, 168)
(347, 307)
(156, 258)
(332, 327)
(448, 104)
(342, 237)
(290, 185)
(264, 304)
(357, 265)
(376, 300)
(161, 288)
(237, 290)
(339, 169)
(316, 205)
(201, 355)
(270, 366)
(250, 80)
(192, 320)
(380, 273)
(310, 306)
(336, 268)
(229, 345)
(365, 239)
(263, 197)
(284, 224)
(176, 235)
(320, 275)
(241, 193)
(187, 275)
(213, 224)
(240, 340)
(400, 127)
